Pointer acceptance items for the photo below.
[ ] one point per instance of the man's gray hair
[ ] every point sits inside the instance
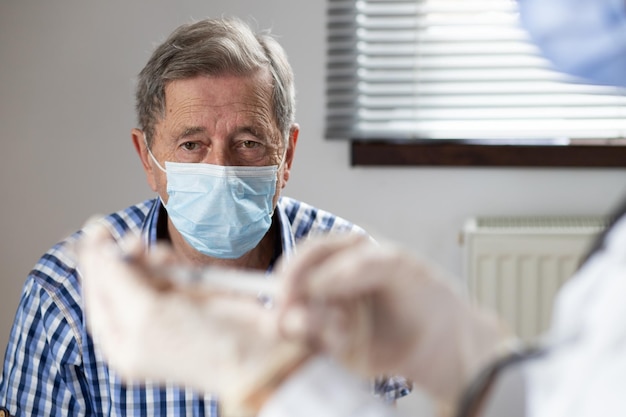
(214, 47)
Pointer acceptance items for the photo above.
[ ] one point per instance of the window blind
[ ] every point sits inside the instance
(453, 69)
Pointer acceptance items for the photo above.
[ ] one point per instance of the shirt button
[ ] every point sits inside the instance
(4, 412)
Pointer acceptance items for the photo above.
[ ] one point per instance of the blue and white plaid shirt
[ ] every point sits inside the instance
(52, 367)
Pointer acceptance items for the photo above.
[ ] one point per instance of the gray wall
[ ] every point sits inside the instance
(67, 73)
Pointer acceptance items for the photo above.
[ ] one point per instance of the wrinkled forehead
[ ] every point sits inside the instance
(219, 89)
(247, 97)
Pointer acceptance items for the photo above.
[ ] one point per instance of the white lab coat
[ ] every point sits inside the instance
(584, 372)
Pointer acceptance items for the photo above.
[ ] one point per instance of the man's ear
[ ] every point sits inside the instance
(141, 147)
(291, 149)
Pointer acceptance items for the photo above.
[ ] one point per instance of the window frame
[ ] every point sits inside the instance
(463, 153)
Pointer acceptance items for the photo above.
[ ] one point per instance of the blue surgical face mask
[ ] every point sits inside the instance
(221, 211)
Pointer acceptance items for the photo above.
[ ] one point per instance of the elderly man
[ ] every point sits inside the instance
(215, 104)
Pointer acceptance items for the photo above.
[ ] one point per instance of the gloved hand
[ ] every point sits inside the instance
(380, 310)
(150, 328)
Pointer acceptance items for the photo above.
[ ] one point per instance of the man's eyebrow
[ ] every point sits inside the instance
(190, 131)
(258, 130)
(254, 131)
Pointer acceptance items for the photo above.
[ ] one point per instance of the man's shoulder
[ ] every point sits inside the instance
(306, 219)
(128, 220)
(57, 267)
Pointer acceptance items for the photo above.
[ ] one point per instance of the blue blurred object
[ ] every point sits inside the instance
(584, 38)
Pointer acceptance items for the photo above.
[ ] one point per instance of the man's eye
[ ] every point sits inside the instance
(190, 146)
(250, 144)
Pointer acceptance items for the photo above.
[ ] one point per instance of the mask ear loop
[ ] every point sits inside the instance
(152, 155)
(155, 161)
(282, 162)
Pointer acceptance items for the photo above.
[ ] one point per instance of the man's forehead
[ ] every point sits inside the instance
(258, 82)
(242, 102)
(219, 94)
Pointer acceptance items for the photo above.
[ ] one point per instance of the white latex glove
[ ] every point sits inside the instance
(148, 328)
(379, 310)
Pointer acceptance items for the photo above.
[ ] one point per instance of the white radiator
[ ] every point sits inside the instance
(515, 265)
